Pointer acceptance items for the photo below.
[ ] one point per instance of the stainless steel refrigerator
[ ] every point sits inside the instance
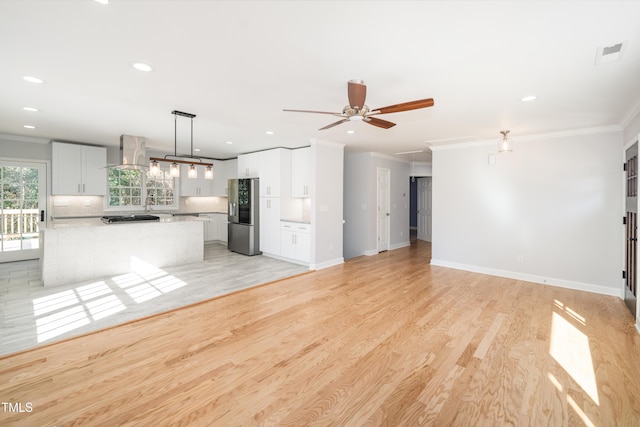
(244, 216)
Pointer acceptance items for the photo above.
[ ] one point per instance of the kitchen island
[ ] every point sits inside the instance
(74, 250)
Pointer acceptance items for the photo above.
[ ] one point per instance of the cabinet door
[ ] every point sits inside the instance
(301, 172)
(223, 229)
(199, 186)
(94, 171)
(66, 169)
(270, 225)
(303, 247)
(270, 173)
(188, 186)
(287, 244)
(249, 165)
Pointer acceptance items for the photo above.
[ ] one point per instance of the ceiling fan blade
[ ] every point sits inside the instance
(405, 106)
(334, 124)
(313, 111)
(379, 122)
(357, 92)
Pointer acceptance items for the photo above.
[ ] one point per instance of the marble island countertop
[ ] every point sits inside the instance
(96, 221)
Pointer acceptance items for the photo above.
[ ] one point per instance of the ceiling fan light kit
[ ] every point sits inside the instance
(357, 110)
(174, 159)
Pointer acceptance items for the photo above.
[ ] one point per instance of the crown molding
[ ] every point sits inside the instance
(19, 138)
(533, 137)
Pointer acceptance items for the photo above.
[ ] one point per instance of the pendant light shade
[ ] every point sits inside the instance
(505, 145)
(174, 159)
(193, 172)
(174, 169)
(154, 168)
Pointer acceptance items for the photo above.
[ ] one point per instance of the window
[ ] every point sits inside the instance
(160, 190)
(127, 187)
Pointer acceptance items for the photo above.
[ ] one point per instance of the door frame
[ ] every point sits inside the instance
(386, 216)
(44, 203)
(623, 288)
(426, 234)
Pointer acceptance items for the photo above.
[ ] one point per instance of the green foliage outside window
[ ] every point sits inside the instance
(133, 188)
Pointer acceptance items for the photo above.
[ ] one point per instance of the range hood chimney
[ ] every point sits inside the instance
(132, 153)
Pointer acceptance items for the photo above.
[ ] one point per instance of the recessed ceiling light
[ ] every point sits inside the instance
(29, 127)
(141, 66)
(30, 109)
(269, 132)
(229, 142)
(351, 131)
(196, 149)
(102, 1)
(32, 79)
(528, 98)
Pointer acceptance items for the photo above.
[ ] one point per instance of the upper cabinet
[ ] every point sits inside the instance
(301, 172)
(249, 165)
(223, 171)
(273, 167)
(78, 169)
(199, 186)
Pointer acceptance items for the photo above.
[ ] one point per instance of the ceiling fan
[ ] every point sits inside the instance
(358, 111)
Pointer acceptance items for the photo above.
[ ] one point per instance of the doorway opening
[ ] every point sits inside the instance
(420, 208)
(22, 209)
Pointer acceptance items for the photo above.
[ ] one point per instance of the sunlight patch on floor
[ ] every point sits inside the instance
(570, 348)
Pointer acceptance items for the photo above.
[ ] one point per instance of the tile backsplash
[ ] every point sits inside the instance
(80, 206)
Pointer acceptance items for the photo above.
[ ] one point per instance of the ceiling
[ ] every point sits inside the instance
(237, 64)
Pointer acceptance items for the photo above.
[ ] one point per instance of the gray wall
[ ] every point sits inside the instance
(16, 147)
(360, 203)
(549, 212)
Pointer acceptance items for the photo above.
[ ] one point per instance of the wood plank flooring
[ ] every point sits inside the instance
(31, 314)
(381, 340)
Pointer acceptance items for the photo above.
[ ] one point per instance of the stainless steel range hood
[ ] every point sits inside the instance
(132, 153)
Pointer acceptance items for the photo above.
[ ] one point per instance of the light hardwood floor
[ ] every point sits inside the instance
(31, 314)
(381, 340)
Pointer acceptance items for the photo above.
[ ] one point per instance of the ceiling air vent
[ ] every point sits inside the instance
(609, 53)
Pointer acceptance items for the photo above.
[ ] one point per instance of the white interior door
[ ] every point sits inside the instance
(424, 209)
(22, 209)
(384, 214)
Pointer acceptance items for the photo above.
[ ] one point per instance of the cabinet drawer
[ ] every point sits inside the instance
(296, 227)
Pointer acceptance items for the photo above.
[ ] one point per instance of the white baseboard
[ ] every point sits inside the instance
(399, 245)
(395, 246)
(327, 264)
(560, 283)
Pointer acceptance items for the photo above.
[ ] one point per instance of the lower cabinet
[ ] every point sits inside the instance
(215, 227)
(296, 241)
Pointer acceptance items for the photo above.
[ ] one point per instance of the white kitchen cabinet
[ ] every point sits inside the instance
(249, 165)
(301, 172)
(296, 241)
(78, 169)
(215, 227)
(199, 186)
(223, 171)
(275, 172)
(270, 225)
(273, 167)
(222, 224)
(210, 227)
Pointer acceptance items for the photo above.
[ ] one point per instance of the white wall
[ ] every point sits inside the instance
(19, 147)
(360, 203)
(327, 203)
(549, 212)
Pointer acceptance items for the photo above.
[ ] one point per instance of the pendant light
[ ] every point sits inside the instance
(174, 168)
(505, 145)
